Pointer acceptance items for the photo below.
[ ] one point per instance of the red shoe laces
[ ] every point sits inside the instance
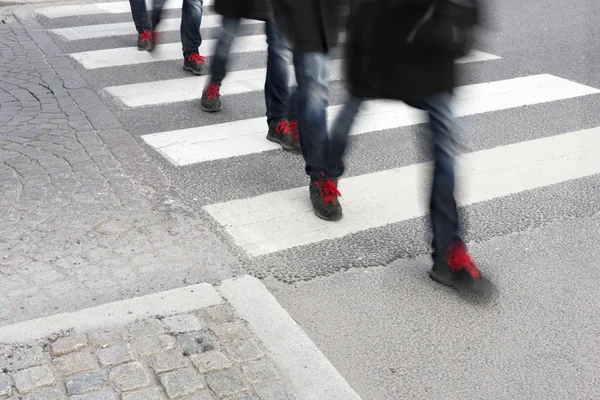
(212, 92)
(329, 191)
(145, 36)
(288, 128)
(197, 58)
(294, 130)
(459, 260)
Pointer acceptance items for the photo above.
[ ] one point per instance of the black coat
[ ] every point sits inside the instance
(312, 25)
(380, 63)
(249, 9)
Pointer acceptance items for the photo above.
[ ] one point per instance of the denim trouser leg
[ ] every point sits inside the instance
(140, 15)
(310, 102)
(157, 9)
(218, 66)
(444, 213)
(338, 141)
(191, 18)
(277, 90)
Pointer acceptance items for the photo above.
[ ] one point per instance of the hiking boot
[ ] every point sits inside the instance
(211, 98)
(457, 269)
(196, 64)
(144, 42)
(286, 134)
(324, 198)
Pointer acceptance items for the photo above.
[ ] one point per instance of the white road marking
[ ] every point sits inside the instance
(115, 7)
(171, 51)
(283, 220)
(185, 89)
(128, 28)
(238, 138)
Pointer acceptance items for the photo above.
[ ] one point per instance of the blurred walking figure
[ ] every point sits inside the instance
(280, 129)
(406, 51)
(191, 38)
(311, 30)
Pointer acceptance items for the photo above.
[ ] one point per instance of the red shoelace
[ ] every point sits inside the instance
(459, 260)
(197, 58)
(145, 36)
(288, 128)
(212, 92)
(329, 191)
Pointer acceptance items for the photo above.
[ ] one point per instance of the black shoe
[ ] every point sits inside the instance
(211, 98)
(144, 42)
(458, 269)
(283, 132)
(196, 64)
(324, 198)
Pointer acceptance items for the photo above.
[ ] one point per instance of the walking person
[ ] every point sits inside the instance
(311, 30)
(280, 129)
(191, 38)
(418, 68)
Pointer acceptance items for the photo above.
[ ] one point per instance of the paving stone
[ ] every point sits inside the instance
(146, 394)
(227, 383)
(106, 394)
(68, 344)
(196, 343)
(244, 350)
(114, 355)
(149, 345)
(218, 314)
(182, 323)
(181, 382)
(202, 395)
(210, 361)
(33, 378)
(259, 372)
(168, 361)
(23, 358)
(86, 382)
(5, 385)
(45, 394)
(74, 363)
(106, 337)
(231, 331)
(274, 391)
(149, 327)
(129, 377)
(243, 397)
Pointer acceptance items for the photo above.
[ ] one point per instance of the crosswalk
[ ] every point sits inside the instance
(271, 220)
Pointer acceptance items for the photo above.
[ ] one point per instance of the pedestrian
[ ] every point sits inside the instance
(191, 38)
(311, 29)
(280, 129)
(416, 67)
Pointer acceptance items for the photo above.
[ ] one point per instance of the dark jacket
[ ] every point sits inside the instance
(250, 9)
(312, 25)
(382, 63)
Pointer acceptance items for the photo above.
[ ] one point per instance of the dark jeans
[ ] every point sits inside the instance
(443, 211)
(191, 18)
(276, 83)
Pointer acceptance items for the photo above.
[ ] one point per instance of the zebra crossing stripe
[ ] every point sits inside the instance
(185, 89)
(238, 138)
(283, 220)
(115, 7)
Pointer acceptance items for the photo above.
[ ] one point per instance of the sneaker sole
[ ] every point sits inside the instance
(436, 278)
(197, 73)
(210, 110)
(283, 146)
(331, 219)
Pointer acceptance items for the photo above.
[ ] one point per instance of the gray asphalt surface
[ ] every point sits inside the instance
(365, 299)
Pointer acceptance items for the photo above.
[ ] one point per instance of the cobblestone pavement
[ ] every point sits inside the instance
(206, 355)
(85, 217)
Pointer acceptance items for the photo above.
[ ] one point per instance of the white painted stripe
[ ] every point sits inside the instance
(177, 301)
(310, 374)
(213, 142)
(283, 220)
(185, 89)
(115, 7)
(171, 51)
(128, 28)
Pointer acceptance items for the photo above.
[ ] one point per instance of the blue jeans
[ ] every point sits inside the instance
(308, 106)
(443, 210)
(191, 18)
(276, 84)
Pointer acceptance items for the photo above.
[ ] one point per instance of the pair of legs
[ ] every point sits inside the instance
(191, 38)
(276, 83)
